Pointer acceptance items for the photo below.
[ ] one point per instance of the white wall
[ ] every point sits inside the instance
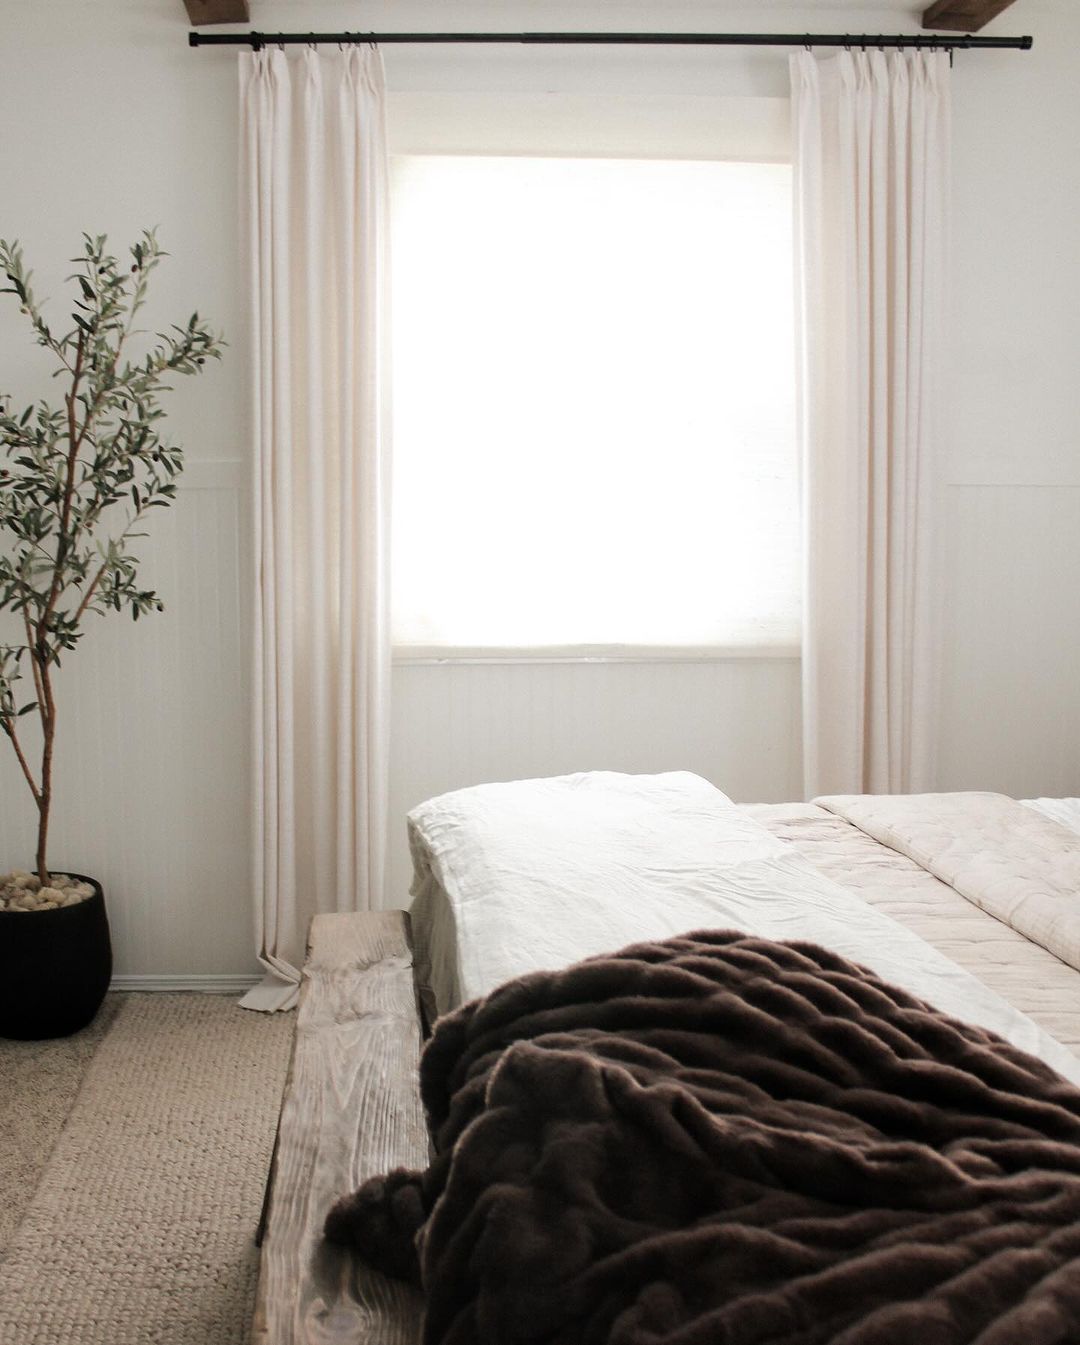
(1011, 502)
(111, 123)
(110, 126)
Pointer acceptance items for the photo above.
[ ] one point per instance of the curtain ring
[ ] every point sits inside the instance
(806, 44)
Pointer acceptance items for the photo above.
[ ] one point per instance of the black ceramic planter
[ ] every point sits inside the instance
(55, 967)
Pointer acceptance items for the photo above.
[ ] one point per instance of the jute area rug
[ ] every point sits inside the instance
(140, 1229)
(39, 1082)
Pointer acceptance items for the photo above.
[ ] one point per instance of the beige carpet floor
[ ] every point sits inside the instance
(39, 1081)
(139, 1231)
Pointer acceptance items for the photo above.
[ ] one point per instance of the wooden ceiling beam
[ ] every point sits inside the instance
(217, 11)
(963, 16)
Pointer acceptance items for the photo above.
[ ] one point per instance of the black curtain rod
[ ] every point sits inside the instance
(928, 42)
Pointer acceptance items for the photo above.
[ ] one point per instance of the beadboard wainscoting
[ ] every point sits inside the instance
(735, 721)
(152, 775)
(202, 985)
(1010, 716)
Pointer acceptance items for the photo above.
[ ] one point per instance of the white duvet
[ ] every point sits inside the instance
(1016, 863)
(536, 874)
(1064, 811)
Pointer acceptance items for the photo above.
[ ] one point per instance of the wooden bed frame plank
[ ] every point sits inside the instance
(351, 1110)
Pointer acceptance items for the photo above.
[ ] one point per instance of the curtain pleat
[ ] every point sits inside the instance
(315, 229)
(871, 160)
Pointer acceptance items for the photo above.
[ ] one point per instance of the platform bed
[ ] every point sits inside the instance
(352, 1109)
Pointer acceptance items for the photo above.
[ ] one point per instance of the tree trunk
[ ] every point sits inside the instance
(48, 730)
(42, 840)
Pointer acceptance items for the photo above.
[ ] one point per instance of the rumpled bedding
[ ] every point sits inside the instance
(1028, 977)
(533, 875)
(719, 1139)
(1019, 866)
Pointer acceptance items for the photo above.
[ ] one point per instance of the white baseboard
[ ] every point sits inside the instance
(207, 985)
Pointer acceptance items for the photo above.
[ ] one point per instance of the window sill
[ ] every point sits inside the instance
(411, 655)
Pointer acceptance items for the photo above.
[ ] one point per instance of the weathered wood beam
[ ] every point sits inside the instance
(963, 16)
(351, 1111)
(217, 11)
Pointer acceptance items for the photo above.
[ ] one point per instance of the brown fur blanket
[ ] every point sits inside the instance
(722, 1140)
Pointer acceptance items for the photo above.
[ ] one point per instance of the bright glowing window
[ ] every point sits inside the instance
(594, 441)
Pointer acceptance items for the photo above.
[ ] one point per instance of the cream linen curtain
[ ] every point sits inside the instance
(314, 205)
(871, 157)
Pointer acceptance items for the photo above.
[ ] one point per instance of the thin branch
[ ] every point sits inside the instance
(88, 595)
(33, 661)
(54, 345)
(69, 489)
(8, 725)
(76, 443)
(30, 541)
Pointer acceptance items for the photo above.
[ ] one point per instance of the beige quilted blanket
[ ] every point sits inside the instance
(1020, 867)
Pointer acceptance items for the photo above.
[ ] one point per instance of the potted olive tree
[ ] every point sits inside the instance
(77, 479)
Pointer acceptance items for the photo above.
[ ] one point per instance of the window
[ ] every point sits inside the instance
(594, 410)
